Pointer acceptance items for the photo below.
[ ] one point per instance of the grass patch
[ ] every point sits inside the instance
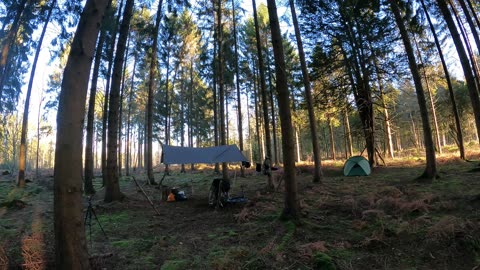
(174, 265)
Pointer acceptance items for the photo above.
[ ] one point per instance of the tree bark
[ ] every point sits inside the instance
(430, 97)
(129, 113)
(151, 86)
(458, 126)
(237, 84)
(88, 168)
(7, 44)
(464, 61)
(431, 167)
(291, 209)
(112, 187)
(471, 23)
(23, 139)
(317, 176)
(221, 92)
(263, 92)
(70, 242)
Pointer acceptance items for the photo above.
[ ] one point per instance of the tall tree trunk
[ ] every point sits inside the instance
(151, 87)
(474, 13)
(38, 136)
(458, 126)
(167, 108)
(348, 133)
(273, 111)
(70, 242)
(263, 92)
(297, 144)
(237, 84)
(468, 46)
(221, 92)
(260, 152)
(464, 61)
(214, 88)
(88, 168)
(23, 138)
(291, 209)
(332, 138)
(431, 167)
(471, 23)
(317, 176)
(110, 54)
(7, 44)
(190, 114)
(122, 93)
(128, 150)
(430, 96)
(112, 187)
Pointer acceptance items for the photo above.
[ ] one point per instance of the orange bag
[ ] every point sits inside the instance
(171, 197)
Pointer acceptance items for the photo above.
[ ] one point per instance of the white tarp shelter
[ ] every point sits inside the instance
(214, 154)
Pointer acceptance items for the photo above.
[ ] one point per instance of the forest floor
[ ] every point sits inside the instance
(383, 221)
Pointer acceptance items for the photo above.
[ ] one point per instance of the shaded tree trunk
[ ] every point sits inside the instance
(23, 138)
(88, 168)
(70, 242)
(112, 187)
(431, 167)
(291, 207)
(464, 61)
(459, 132)
(221, 92)
(332, 139)
(237, 84)
(129, 113)
(151, 86)
(263, 92)
(348, 133)
(317, 176)
(7, 44)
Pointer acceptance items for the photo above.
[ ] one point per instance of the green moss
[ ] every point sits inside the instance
(323, 262)
(290, 227)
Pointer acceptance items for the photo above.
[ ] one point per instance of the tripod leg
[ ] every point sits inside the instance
(99, 224)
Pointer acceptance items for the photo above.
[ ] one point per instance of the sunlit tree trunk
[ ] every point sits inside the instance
(112, 186)
(317, 176)
(23, 138)
(471, 23)
(151, 87)
(221, 90)
(215, 92)
(291, 207)
(431, 167)
(39, 116)
(263, 92)
(459, 132)
(122, 93)
(297, 145)
(88, 168)
(8, 42)
(273, 111)
(332, 138)
(70, 242)
(237, 84)
(128, 150)
(464, 61)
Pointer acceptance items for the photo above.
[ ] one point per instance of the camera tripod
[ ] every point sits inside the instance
(88, 219)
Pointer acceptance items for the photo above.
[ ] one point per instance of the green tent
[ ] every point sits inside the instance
(356, 166)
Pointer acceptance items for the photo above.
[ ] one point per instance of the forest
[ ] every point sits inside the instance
(91, 91)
